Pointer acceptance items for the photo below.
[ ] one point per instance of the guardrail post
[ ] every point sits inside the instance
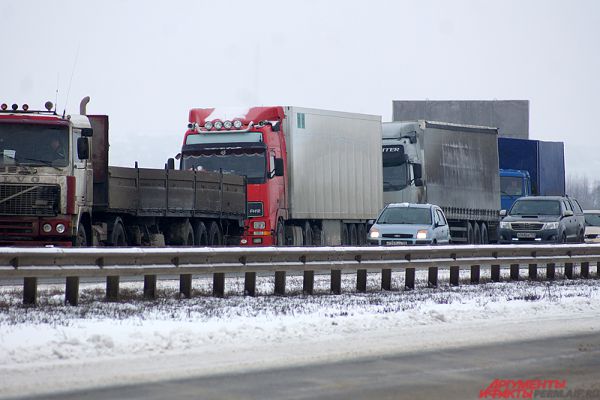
(361, 280)
(218, 284)
(112, 288)
(280, 283)
(308, 283)
(409, 279)
(72, 290)
(336, 281)
(454, 275)
(29, 290)
(514, 272)
(475, 273)
(550, 271)
(150, 287)
(432, 277)
(569, 270)
(495, 273)
(532, 272)
(585, 270)
(250, 284)
(185, 285)
(386, 279)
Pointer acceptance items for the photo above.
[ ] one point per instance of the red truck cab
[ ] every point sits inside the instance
(246, 142)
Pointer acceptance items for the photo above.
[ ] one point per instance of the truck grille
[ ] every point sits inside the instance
(34, 200)
(527, 226)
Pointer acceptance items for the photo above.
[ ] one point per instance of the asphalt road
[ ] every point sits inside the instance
(448, 374)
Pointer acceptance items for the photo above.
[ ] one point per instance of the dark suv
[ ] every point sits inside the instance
(543, 219)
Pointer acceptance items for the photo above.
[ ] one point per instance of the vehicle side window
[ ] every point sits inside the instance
(436, 217)
(576, 206)
(567, 205)
(440, 217)
(271, 165)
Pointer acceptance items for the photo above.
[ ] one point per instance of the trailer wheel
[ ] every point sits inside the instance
(308, 234)
(469, 233)
(476, 233)
(180, 234)
(201, 235)
(214, 235)
(345, 235)
(362, 234)
(484, 234)
(353, 235)
(81, 240)
(118, 235)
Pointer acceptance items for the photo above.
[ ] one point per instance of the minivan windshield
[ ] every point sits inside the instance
(592, 219)
(405, 215)
(535, 207)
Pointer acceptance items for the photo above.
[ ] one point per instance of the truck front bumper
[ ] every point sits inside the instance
(28, 231)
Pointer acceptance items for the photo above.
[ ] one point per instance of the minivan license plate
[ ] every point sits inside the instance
(526, 235)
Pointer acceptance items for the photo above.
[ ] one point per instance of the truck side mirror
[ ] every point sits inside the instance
(83, 148)
(279, 167)
(417, 172)
(171, 163)
(87, 132)
(418, 182)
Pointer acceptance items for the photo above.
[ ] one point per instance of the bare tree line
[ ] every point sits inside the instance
(586, 191)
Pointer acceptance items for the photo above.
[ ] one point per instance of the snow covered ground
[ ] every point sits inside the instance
(53, 347)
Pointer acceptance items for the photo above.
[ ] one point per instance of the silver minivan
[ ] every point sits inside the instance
(409, 224)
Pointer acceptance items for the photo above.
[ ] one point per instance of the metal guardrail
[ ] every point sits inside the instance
(72, 264)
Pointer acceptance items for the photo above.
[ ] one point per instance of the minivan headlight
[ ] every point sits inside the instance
(374, 233)
(551, 225)
(422, 234)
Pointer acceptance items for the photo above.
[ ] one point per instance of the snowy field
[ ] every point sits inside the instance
(53, 347)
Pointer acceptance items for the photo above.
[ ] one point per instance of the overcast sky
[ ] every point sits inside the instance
(146, 63)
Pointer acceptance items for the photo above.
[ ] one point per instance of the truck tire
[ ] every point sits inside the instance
(81, 240)
(201, 234)
(476, 233)
(280, 234)
(308, 234)
(362, 234)
(118, 237)
(469, 233)
(345, 235)
(214, 235)
(353, 235)
(180, 234)
(485, 239)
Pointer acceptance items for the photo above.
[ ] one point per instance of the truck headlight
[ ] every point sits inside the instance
(551, 225)
(259, 224)
(60, 228)
(47, 228)
(422, 234)
(374, 233)
(504, 225)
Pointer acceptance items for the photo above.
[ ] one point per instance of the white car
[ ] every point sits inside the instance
(592, 226)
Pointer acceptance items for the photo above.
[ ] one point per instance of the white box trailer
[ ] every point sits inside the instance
(334, 164)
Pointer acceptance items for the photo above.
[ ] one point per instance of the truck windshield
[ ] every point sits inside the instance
(34, 144)
(249, 162)
(395, 178)
(405, 215)
(511, 185)
(535, 207)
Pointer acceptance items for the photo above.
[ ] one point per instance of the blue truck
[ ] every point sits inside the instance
(530, 168)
